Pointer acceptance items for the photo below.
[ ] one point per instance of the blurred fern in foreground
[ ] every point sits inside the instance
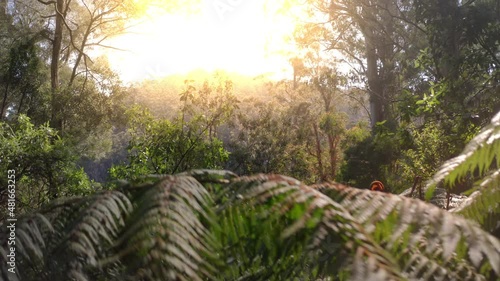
(212, 225)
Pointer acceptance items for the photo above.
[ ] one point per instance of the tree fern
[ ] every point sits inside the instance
(483, 206)
(31, 233)
(482, 157)
(481, 154)
(426, 240)
(82, 227)
(166, 238)
(213, 225)
(99, 220)
(297, 210)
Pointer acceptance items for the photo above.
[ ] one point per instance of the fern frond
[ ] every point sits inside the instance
(92, 233)
(75, 233)
(165, 238)
(401, 223)
(205, 176)
(212, 180)
(483, 206)
(322, 224)
(206, 225)
(480, 153)
(30, 243)
(84, 233)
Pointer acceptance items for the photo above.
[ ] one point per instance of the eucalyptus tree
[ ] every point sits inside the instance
(370, 37)
(76, 28)
(72, 32)
(421, 62)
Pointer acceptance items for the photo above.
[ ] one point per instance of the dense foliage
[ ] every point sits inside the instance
(381, 90)
(214, 225)
(43, 163)
(165, 147)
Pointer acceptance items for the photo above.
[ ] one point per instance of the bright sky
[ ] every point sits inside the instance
(232, 35)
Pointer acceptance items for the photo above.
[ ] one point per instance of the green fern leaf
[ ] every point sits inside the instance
(483, 206)
(480, 153)
(31, 232)
(100, 219)
(418, 221)
(327, 226)
(165, 238)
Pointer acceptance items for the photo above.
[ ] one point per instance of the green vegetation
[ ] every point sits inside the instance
(165, 147)
(119, 181)
(44, 165)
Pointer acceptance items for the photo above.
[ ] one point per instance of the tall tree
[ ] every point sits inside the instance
(346, 21)
(21, 63)
(74, 24)
(375, 38)
(22, 78)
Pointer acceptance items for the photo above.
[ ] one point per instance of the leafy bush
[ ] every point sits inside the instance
(44, 165)
(167, 147)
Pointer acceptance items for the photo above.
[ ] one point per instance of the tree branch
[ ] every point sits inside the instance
(47, 2)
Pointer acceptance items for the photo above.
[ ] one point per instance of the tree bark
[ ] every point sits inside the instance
(374, 83)
(318, 154)
(56, 46)
(4, 102)
(56, 120)
(332, 145)
(377, 28)
(23, 95)
(80, 52)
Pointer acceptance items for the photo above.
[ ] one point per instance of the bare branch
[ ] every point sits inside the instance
(47, 2)
(108, 47)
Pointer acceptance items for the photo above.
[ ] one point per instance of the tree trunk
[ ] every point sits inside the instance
(374, 83)
(5, 18)
(23, 95)
(377, 28)
(80, 53)
(318, 154)
(332, 145)
(3, 12)
(387, 67)
(56, 121)
(4, 102)
(56, 46)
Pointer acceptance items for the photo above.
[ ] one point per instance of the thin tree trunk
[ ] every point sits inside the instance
(4, 102)
(21, 102)
(56, 46)
(52, 191)
(332, 145)
(80, 53)
(4, 20)
(318, 153)
(387, 72)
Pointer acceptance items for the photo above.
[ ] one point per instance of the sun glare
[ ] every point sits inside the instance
(247, 37)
